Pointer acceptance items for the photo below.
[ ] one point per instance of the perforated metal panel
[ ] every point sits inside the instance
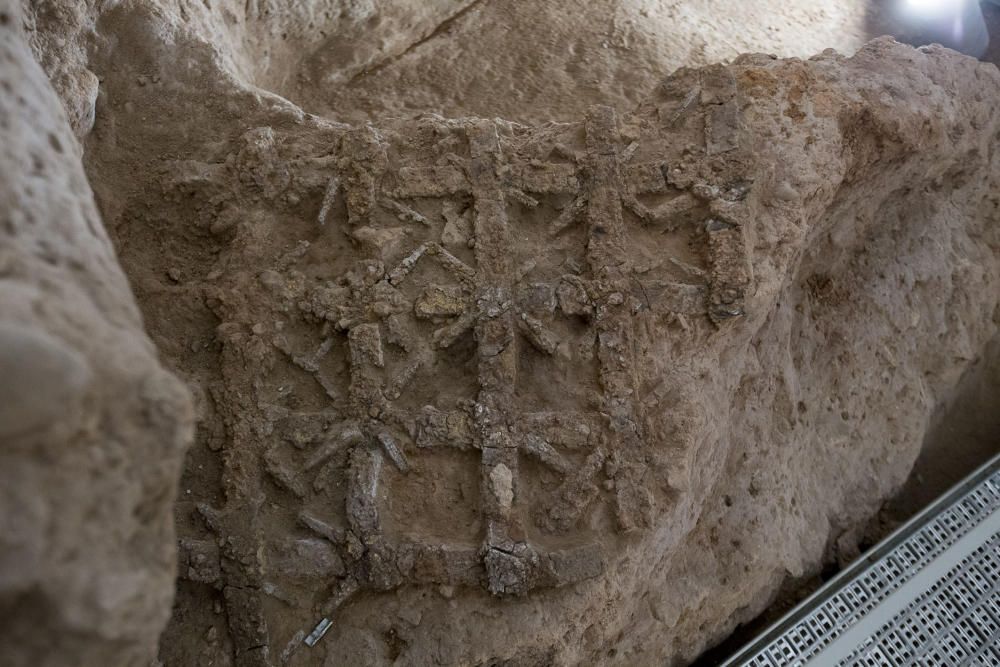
(927, 595)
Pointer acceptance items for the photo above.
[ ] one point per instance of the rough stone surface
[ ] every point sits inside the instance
(480, 392)
(527, 61)
(92, 428)
(533, 61)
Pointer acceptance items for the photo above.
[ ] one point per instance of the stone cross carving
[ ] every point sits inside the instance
(492, 300)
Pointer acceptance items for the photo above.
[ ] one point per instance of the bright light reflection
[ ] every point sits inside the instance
(933, 7)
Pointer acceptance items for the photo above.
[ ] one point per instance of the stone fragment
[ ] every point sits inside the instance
(440, 301)
(93, 430)
(725, 374)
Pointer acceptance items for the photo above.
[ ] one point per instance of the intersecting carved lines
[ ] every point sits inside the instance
(394, 316)
(483, 299)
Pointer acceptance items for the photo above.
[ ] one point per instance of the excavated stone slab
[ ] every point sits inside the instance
(577, 393)
(587, 391)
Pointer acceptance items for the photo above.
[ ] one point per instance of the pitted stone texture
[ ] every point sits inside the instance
(700, 340)
(92, 429)
(357, 61)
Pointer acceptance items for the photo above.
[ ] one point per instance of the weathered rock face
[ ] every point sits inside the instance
(530, 61)
(92, 429)
(533, 61)
(583, 392)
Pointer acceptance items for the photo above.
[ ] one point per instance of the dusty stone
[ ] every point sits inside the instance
(57, 376)
(92, 428)
(534, 60)
(698, 340)
(720, 367)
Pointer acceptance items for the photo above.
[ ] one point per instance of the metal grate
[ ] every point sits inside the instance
(927, 595)
(955, 622)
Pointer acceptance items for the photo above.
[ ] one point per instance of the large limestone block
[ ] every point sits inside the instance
(585, 392)
(92, 428)
(574, 393)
